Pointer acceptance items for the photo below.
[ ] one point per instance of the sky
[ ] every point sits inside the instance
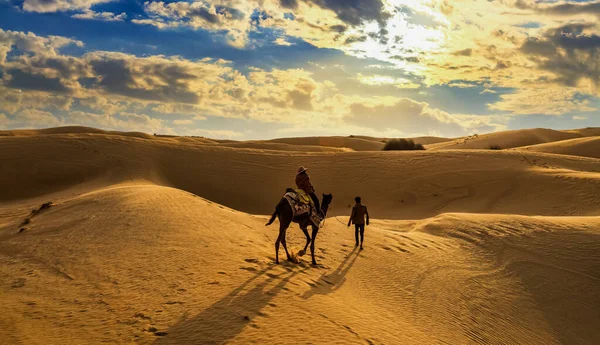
(260, 69)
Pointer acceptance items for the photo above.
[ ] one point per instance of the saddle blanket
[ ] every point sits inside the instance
(301, 204)
(299, 208)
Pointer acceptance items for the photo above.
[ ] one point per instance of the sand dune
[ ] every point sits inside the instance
(399, 185)
(265, 145)
(148, 264)
(586, 132)
(420, 140)
(161, 240)
(585, 147)
(356, 144)
(506, 140)
(70, 130)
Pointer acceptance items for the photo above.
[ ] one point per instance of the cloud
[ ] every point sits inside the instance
(570, 52)
(355, 12)
(153, 78)
(183, 122)
(280, 41)
(461, 85)
(29, 42)
(414, 118)
(106, 16)
(4, 121)
(33, 118)
(463, 52)
(549, 101)
(45, 6)
(114, 83)
(382, 80)
(213, 133)
(562, 8)
(323, 23)
(234, 21)
(579, 118)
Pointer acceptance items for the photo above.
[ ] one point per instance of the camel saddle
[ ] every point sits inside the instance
(302, 205)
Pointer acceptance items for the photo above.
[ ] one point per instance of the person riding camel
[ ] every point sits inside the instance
(303, 183)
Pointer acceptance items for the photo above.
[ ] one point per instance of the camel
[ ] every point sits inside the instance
(284, 212)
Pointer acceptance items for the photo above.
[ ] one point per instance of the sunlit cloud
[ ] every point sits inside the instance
(379, 80)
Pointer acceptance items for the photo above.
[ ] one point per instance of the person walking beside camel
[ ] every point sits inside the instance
(357, 217)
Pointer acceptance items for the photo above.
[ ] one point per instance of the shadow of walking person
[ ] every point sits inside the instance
(330, 282)
(228, 317)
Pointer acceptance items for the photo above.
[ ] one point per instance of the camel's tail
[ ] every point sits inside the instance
(273, 216)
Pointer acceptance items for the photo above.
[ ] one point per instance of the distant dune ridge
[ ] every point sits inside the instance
(161, 240)
(585, 147)
(512, 139)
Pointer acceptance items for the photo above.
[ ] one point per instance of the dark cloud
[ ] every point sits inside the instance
(464, 52)
(291, 4)
(338, 28)
(204, 13)
(535, 46)
(567, 51)
(230, 12)
(562, 9)
(221, 13)
(412, 59)
(354, 39)
(66, 66)
(20, 79)
(354, 12)
(156, 81)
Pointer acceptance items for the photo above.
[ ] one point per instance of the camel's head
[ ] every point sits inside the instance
(327, 199)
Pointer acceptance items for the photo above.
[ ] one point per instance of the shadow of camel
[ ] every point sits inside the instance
(228, 317)
(330, 282)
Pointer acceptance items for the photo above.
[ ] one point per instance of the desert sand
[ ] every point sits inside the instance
(512, 139)
(161, 240)
(585, 147)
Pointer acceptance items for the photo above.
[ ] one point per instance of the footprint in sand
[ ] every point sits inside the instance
(142, 316)
(251, 269)
(18, 283)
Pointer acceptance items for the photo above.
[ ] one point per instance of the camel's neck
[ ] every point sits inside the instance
(324, 208)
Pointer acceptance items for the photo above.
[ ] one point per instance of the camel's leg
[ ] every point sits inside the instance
(312, 243)
(305, 231)
(285, 247)
(277, 248)
(285, 218)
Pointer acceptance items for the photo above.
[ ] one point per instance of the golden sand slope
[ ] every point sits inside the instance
(507, 139)
(421, 140)
(70, 130)
(356, 144)
(395, 185)
(585, 147)
(586, 132)
(266, 145)
(154, 265)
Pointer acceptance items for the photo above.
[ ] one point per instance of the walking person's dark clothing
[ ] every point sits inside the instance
(359, 211)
